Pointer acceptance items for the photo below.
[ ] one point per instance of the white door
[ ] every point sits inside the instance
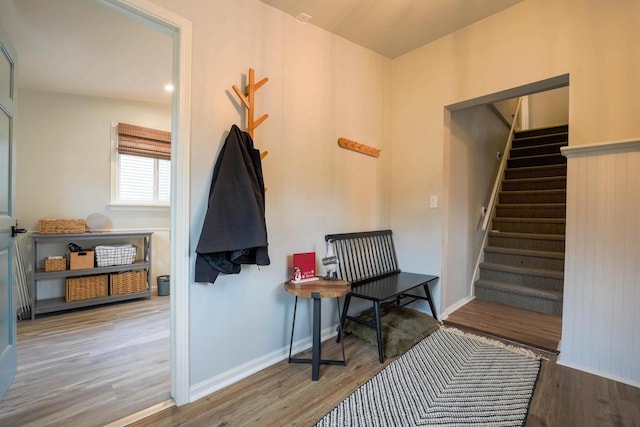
(8, 339)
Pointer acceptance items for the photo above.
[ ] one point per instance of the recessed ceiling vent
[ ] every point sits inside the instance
(303, 17)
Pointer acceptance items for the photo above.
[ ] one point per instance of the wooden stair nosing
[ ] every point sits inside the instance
(532, 192)
(532, 236)
(541, 168)
(523, 271)
(548, 145)
(530, 205)
(540, 179)
(545, 130)
(531, 220)
(539, 156)
(564, 126)
(539, 141)
(521, 290)
(524, 252)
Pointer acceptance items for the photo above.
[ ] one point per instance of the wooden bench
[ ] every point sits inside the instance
(368, 261)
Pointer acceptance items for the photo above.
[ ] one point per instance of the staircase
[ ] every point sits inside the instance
(524, 259)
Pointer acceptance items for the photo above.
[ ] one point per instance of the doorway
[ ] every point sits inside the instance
(178, 31)
(529, 205)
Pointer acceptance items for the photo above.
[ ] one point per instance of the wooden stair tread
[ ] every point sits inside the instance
(521, 192)
(536, 220)
(540, 179)
(531, 205)
(520, 289)
(538, 146)
(526, 271)
(526, 252)
(543, 167)
(513, 235)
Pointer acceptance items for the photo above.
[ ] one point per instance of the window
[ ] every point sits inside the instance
(142, 166)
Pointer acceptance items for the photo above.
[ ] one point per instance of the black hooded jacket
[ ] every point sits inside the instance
(234, 230)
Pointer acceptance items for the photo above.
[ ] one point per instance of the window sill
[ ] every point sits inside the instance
(138, 206)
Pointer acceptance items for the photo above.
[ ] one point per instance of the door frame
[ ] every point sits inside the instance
(179, 29)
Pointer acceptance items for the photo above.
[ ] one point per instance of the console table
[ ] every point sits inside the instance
(48, 305)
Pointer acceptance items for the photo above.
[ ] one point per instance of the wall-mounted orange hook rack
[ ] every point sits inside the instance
(360, 148)
(247, 98)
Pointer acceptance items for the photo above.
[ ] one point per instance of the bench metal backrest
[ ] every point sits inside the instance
(364, 256)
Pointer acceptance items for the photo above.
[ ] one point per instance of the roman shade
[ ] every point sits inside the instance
(144, 142)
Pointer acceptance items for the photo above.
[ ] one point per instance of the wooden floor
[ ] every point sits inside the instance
(538, 330)
(90, 367)
(284, 395)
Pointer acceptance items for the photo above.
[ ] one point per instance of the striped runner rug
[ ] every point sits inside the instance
(448, 379)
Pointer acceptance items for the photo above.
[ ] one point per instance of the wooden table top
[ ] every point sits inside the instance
(325, 288)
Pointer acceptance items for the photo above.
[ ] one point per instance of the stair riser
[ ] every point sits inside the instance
(559, 170)
(536, 150)
(527, 244)
(516, 211)
(519, 198)
(536, 161)
(528, 227)
(527, 302)
(534, 282)
(526, 261)
(520, 141)
(554, 184)
(544, 131)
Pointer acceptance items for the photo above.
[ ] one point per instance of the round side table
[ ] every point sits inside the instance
(317, 290)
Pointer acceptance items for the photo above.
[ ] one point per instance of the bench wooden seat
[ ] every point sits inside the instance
(368, 261)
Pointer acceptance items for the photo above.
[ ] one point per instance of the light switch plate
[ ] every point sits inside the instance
(433, 202)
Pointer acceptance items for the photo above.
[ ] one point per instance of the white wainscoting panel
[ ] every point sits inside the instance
(601, 314)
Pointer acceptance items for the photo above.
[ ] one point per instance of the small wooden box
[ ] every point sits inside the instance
(81, 260)
(55, 264)
(86, 287)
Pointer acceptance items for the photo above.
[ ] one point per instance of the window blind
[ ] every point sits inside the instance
(144, 142)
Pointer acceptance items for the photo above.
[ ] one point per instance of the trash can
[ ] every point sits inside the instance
(163, 285)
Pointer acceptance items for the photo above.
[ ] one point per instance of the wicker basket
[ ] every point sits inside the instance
(55, 264)
(127, 283)
(62, 226)
(86, 287)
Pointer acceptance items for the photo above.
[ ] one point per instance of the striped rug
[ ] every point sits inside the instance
(447, 379)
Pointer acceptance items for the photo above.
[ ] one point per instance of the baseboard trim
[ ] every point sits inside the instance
(455, 306)
(597, 372)
(130, 419)
(207, 387)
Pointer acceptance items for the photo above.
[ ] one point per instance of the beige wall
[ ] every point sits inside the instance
(64, 164)
(320, 88)
(592, 41)
(549, 108)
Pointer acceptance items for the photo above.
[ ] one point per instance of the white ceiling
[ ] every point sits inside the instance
(392, 27)
(82, 47)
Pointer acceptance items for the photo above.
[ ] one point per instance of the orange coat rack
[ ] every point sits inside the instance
(247, 97)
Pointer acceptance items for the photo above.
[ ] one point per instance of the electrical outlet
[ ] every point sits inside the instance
(433, 202)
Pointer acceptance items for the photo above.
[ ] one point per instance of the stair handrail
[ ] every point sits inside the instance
(488, 211)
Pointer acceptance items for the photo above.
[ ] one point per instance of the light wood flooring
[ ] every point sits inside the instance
(90, 367)
(284, 395)
(526, 327)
